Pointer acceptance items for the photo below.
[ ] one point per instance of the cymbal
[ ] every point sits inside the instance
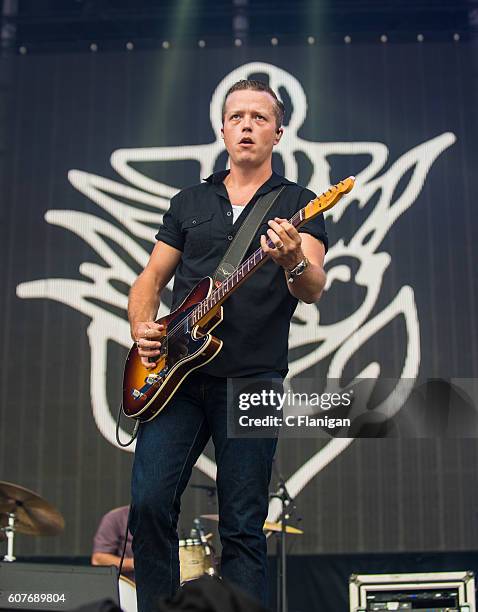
(33, 514)
(268, 526)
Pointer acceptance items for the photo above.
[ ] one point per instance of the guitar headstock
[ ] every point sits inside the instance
(329, 198)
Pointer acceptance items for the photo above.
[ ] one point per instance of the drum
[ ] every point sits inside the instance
(193, 560)
(127, 594)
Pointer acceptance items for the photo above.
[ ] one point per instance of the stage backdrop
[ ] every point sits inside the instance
(93, 147)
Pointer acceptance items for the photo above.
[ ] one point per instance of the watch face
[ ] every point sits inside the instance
(300, 267)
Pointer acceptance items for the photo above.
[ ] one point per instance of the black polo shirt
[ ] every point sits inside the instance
(257, 315)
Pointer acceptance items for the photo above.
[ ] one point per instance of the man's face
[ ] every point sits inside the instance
(249, 129)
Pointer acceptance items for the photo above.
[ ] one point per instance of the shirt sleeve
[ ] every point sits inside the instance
(170, 231)
(107, 537)
(316, 226)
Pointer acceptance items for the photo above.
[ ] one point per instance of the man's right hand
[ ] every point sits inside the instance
(146, 334)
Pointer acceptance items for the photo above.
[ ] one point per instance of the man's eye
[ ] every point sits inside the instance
(260, 117)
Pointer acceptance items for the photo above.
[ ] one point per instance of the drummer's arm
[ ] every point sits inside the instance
(100, 558)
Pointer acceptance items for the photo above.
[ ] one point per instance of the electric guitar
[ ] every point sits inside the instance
(186, 343)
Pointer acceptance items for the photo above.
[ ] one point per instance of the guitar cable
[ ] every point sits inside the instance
(133, 434)
(120, 566)
(122, 444)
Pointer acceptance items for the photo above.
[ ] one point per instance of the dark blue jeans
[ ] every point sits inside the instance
(166, 451)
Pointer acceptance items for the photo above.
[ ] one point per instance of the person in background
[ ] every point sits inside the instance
(108, 542)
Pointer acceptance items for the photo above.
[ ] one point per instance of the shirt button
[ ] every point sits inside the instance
(229, 213)
(194, 221)
(229, 237)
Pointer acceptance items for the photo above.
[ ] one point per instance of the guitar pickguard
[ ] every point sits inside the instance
(179, 346)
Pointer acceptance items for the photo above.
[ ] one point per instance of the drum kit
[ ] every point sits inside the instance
(196, 555)
(24, 511)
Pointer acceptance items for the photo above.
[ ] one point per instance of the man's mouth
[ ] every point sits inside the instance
(246, 141)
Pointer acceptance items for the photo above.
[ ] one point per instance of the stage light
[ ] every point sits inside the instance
(274, 41)
(161, 103)
(240, 19)
(201, 43)
(237, 42)
(420, 38)
(311, 40)
(129, 46)
(347, 39)
(384, 38)
(93, 47)
(22, 50)
(456, 37)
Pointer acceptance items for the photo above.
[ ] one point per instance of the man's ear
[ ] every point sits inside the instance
(222, 132)
(279, 133)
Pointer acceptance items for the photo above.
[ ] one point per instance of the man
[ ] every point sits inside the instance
(108, 542)
(196, 232)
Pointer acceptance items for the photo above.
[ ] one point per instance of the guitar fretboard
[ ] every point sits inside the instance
(221, 293)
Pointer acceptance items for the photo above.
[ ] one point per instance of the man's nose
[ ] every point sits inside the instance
(247, 123)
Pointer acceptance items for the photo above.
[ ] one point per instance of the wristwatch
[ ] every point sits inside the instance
(299, 269)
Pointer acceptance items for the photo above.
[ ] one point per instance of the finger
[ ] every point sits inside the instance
(142, 353)
(273, 236)
(284, 229)
(149, 365)
(277, 240)
(268, 246)
(148, 352)
(286, 225)
(294, 235)
(150, 332)
(142, 329)
(147, 361)
(150, 326)
(153, 325)
(281, 233)
(265, 247)
(277, 227)
(152, 341)
(142, 343)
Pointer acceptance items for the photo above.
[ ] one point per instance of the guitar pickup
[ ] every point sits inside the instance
(136, 393)
(152, 379)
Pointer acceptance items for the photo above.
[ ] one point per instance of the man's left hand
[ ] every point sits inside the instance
(287, 251)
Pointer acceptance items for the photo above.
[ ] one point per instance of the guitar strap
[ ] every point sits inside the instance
(238, 247)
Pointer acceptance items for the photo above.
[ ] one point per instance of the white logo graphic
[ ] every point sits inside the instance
(339, 340)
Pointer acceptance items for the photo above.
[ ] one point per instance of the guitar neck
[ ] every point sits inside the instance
(247, 268)
(251, 264)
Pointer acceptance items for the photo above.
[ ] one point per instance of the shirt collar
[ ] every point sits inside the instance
(217, 179)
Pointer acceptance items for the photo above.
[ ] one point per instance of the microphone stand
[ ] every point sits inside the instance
(287, 506)
(9, 531)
